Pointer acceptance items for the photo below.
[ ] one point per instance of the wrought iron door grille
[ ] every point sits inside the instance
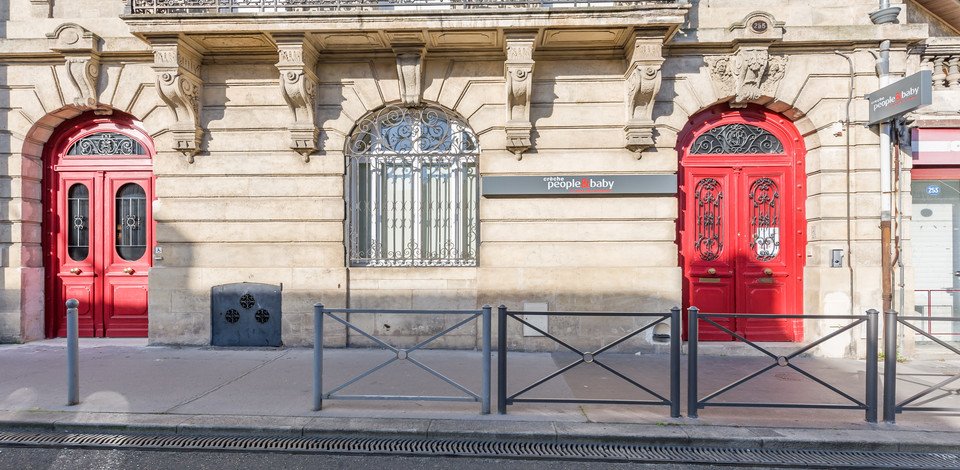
(413, 189)
(737, 139)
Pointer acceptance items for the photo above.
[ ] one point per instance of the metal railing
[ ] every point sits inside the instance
(891, 407)
(868, 404)
(589, 357)
(401, 354)
(150, 7)
(929, 309)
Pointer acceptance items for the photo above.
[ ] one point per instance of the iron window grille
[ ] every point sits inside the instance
(737, 139)
(106, 143)
(413, 189)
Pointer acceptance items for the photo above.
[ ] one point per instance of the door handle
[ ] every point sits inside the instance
(767, 272)
(76, 271)
(712, 271)
(128, 270)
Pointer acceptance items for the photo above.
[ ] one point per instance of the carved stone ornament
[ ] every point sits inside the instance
(410, 73)
(518, 69)
(749, 74)
(643, 81)
(298, 83)
(81, 51)
(179, 85)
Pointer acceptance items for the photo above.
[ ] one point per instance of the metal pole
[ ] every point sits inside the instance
(873, 337)
(692, 402)
(890, 366)
(485, 392)
(502, 359)
(317, 357)
(73, 353)
(675, 320)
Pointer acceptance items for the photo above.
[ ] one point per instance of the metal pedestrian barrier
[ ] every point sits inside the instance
(589, 357)
(933, 392)
(868, 404)
(401, 354)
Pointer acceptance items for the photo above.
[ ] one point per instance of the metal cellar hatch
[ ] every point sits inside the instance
(245, 314)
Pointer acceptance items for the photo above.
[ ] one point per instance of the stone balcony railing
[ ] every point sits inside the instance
(942, 57)
(177, 7)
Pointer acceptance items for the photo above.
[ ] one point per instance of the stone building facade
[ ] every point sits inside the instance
(249, 119)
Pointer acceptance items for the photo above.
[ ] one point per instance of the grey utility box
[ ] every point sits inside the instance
(245, 314)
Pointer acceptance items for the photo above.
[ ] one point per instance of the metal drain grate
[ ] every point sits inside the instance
(499, 449)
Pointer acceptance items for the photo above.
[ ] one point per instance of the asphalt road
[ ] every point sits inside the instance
(22, 458)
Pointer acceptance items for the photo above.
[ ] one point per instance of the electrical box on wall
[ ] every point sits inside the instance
(836, 258)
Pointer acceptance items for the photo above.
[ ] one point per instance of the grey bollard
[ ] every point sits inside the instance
(73, 353)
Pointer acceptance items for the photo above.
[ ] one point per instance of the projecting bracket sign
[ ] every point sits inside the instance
(580, 185)
(903, 96)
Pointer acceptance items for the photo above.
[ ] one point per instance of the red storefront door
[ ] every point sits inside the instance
(741, 225)
(99, 230)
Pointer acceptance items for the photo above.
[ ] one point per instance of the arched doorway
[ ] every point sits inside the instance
(98, 225)
(742, 225)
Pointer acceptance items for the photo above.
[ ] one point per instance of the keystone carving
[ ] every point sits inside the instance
(749, 74)
(298, 83)
(81, 51)
(518, 69)
(643, 81)
(179, 85)
(410, 73)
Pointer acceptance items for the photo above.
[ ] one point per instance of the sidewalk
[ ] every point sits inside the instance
(127, 386)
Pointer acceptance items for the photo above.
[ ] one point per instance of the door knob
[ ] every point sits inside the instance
(712, 271)
(128, 270)
(767, 272)
(75, 270)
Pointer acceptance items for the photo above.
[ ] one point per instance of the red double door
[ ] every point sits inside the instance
(103, 237)
(742, 225)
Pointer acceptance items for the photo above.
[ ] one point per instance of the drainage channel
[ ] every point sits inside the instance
(494, 449)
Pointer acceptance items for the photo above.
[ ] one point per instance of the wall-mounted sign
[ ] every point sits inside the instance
(933, 190)
(904, 95)
(580, 185)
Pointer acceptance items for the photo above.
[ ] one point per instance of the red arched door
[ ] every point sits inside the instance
(98, 224)
(742, 225)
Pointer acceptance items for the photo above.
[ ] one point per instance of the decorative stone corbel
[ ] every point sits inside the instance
(298, 83)
(410, 73)
(751, 72)
(81, 51)
(178, 81)
(518, 69)
(643, 80)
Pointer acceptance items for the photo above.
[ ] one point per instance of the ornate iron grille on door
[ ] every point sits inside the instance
(737, 139)
(709, 195)
(413, 189)
(765, 219)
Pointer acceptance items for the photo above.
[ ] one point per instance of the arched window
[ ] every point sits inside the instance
(737, 139)
(413, 189)
(106, 143)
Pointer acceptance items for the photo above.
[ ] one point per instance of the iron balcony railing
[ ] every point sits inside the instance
(150, 7)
